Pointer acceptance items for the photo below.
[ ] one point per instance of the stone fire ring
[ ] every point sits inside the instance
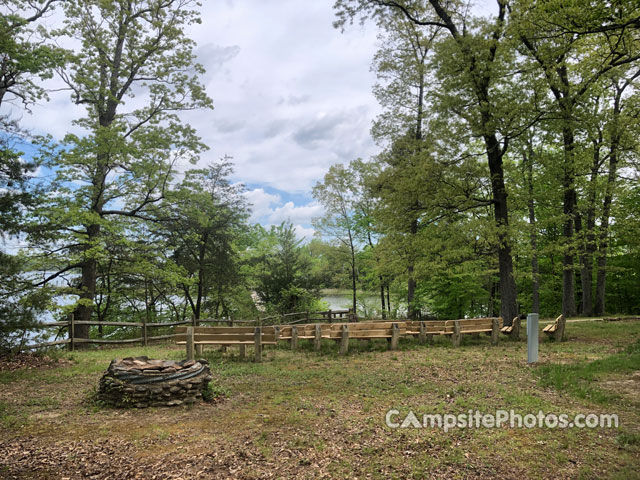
(140, 382)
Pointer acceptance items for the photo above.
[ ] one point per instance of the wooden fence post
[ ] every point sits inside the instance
(145, 340)
(329, 315)
(243, 350)
(72, 332)
(562, 322)
(190, 343)
(455, 337)
(395, 334)
(317, 341)
(196, 322)
(515, 332)
(223, 348)
(257, 342)
(495, 331)
(294, 338)
(344, 340)
(423, 333)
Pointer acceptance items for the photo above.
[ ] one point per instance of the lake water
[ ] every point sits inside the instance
(368, 303)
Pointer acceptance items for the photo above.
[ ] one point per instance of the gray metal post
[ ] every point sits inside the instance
(532, 338)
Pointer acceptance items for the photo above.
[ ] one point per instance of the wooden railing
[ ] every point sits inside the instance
(144, 338)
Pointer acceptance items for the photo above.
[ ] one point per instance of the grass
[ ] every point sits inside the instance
(310, 414)
(581, 378)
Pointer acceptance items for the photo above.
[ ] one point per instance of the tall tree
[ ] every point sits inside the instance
(365, 175)
(209, 213)
(337, 194)
(622, 134)
(401, 89)
(282, 270)
(573, 53)
(475, 57)
(25, 62)
(121, 166)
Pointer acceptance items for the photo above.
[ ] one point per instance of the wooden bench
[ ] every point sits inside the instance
(513, 330)
(226, 336)
(334, 331)
(392, 331)
(556, 329)
(426, 329)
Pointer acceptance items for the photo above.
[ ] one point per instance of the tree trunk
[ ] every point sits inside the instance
(492, 298)
(353, 273)
(606, 205)
(384, 311)
(601, 275)
(588, 234)
(533, 239)
(201, 265)
(89, 277)
(569, 204)
(508, 302)
(411, 281)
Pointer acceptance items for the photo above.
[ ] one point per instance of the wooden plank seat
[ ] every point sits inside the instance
(392, 331)
(368, 330)
(446, 327)
(427, 328)
(556, 329)
(335, 331)
(512, 330)
(226, 336)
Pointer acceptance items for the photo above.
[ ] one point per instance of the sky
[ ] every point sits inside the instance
(292, 96)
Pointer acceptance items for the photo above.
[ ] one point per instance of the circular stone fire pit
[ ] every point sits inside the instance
(140, 382)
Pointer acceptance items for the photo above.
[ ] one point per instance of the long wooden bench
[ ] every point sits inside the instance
(334, 331)
(556, 329)
(392, 331)
(456, 328)
(226, 336)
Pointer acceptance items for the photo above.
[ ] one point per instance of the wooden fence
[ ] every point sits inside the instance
(144, 338)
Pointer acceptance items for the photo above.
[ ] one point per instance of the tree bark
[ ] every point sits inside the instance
(569, 204)
(384, 310)
(601, 280)
(353, 273)
(588, 235)
(411, 281)
(508, 293)
(533, 238)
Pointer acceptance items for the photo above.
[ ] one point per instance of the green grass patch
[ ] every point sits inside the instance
(580, 378)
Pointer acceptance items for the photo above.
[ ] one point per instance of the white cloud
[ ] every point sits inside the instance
(306, 233)
(289, 212)
(292, 95)
(261, 203)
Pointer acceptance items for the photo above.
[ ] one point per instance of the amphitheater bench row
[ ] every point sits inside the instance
(195, 337)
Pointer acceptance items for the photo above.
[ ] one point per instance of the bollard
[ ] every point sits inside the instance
(532, 338)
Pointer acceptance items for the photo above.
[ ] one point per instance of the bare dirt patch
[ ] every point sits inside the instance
(627, 386)
(29, 361)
